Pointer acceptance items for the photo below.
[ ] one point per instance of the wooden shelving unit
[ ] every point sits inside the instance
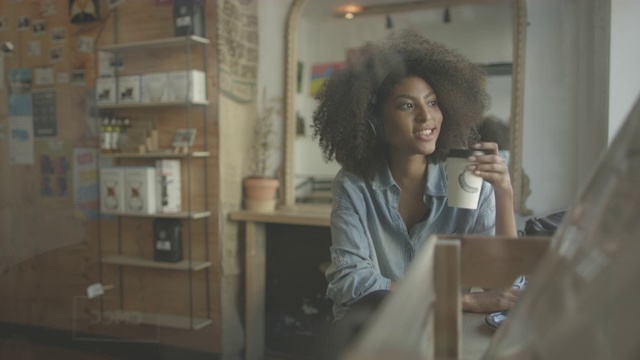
(152, 105)
(157, 319)
(195, 265)
(180, 215)
(161, 155)
(182, 41)
(121, 260)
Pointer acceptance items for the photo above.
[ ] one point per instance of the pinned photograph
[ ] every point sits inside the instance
(85, 44)
(48, 8)
(24, 23)
(34, 48)
(78, 77)
(43, 75)
(39, 27)
(56, 54)
(58, 35)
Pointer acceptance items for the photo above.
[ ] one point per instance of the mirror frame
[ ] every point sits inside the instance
(519, 180)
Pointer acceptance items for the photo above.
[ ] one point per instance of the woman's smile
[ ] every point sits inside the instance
(426, 134)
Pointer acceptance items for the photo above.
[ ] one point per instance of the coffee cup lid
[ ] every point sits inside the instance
(465, 153)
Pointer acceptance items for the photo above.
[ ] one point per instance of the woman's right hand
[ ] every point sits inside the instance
(490, 300)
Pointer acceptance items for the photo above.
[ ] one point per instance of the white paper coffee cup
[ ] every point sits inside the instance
(463, 186)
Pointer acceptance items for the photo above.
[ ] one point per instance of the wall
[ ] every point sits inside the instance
(558, 110)
(625, 61)
(48, 251)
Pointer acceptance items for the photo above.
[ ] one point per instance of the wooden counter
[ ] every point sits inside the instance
(476, 334)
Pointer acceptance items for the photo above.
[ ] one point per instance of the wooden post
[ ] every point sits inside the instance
(448, 307)
(255, 289)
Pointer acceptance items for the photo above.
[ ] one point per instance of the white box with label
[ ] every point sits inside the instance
(168, 186)
(140, 190)
(112, 190)
(187, 86)
(106, 91)
(129, 89)
(154, 88)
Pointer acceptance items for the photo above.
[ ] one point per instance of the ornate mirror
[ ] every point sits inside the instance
(320, 38)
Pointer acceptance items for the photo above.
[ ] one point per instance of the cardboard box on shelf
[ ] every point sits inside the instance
(106, 91)
(112, 190)
(140, 190)
(187, 86)
(129, 89)
(154, 88)
(169, 186)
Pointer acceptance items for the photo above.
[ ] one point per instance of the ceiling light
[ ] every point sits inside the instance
(348, 11)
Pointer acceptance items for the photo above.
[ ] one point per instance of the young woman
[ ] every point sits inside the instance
(390, 120)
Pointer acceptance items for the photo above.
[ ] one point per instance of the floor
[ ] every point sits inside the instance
(25, 350)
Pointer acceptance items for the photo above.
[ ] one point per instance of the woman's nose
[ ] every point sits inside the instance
(423, 113)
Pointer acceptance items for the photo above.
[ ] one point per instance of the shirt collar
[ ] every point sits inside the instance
(436, 182)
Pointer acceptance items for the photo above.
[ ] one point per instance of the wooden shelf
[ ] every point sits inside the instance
(197, 154)
(314, 215)
(141, 262)
(158, 43)
(151, 105)
(163, 320)
(179, 215)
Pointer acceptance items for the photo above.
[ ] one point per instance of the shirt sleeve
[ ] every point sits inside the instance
(354, 271)
(485, 223)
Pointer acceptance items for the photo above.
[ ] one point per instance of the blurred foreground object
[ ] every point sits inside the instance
(583, 301)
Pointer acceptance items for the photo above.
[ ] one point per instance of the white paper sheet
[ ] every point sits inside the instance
(21, 140)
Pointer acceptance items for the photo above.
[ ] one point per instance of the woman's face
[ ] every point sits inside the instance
(412, 118)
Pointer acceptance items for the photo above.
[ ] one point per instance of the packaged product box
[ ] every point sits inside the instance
(187, 86)
(112, 190)
(106, 91)
(140, 190)
(154, 88)
(167, 240)
(129, 89)
(169, 186)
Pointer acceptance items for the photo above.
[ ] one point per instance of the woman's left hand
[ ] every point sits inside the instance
(491, 167)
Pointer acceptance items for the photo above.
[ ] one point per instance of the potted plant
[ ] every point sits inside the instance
(260, 188)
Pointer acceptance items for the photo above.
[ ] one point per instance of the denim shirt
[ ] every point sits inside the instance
(371, 245)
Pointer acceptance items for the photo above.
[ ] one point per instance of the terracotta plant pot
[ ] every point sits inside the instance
(260, 193)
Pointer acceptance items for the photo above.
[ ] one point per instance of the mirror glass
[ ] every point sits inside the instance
(321, 41)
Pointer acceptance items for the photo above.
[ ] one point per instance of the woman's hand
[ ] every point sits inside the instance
(490, 300)
(492, 168)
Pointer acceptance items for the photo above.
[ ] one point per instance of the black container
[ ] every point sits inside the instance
(188, 17)
(167, 240)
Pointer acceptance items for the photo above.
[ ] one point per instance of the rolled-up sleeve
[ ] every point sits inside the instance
(354, 271)
(485, 223)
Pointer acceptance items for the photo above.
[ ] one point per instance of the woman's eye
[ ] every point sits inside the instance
(406, 106)
(433, 103)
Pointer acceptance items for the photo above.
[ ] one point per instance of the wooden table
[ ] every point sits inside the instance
(476, 334)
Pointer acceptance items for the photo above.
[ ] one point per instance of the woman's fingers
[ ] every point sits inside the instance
(487, 146)
(509, 297)
(488, 168)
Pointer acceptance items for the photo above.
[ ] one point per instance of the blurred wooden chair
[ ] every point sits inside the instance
(423, 318)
